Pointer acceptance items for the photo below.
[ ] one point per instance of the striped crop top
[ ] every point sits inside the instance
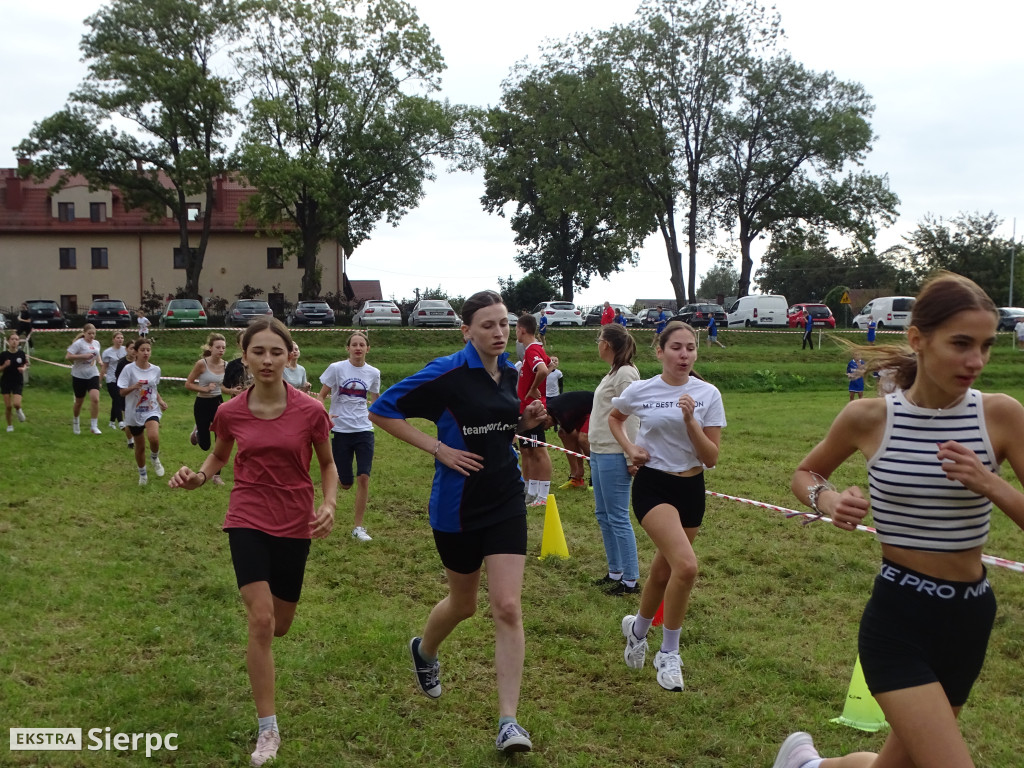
(914, 504)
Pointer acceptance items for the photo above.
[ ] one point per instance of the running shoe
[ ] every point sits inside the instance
(538, 502)
(75, 429)
(112, 425)
(572, 482)
(606, 581)
(21, 414)
(120, 425)
(796, 750)
(95, 430)
(143, 479)
(512, 737)
(158, 468)
(10, 427)
(670, 670)
(636, 648)
(266, 748)
(217, 480)
(131, 444)
(194, 437)
(428, 675)
(360, 533)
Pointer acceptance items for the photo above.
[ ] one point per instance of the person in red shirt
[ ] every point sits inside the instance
(608, 315)
(536, 464)
(272, 512)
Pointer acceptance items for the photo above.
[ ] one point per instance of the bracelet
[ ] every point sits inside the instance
(200, 472)
(814, 491)
(437, 448)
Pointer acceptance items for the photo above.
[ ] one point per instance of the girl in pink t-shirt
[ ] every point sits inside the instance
(272, 513)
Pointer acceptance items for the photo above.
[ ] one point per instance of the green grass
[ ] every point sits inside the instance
(120, 607)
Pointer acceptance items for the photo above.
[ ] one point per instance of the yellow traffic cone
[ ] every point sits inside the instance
(861, 710)
(553, 541)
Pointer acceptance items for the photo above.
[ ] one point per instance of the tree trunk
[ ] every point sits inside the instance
(311, 274)
(746, 262)
(667, 225)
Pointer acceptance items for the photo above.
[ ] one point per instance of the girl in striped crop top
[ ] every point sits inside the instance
(933, 450)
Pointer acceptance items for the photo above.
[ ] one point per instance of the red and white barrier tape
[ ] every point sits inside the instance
(64, 365)
(537, 442)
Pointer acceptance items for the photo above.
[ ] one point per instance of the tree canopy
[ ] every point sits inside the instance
(150, 63)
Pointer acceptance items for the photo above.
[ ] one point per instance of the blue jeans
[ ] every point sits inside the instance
(612, 483)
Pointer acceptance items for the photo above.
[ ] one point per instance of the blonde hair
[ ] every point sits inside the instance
(207, 348)
(85, 329)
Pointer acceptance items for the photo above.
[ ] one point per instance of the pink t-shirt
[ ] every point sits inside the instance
(273, 491)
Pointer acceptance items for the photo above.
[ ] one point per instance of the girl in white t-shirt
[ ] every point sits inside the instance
(352, 385)
(143, 408)
(681, 419)
(84, 354)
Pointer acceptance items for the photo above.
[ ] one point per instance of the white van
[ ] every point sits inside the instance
(758, 310)
(887, 312)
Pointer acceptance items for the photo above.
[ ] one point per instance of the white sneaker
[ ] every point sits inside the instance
(158, 468)
(75, 429)
(112, 425)
(266, 748)
(143, 479)
(10, 427)
(512, 737)
(670, 670)
(796, 750)
(360, 533)
(95, 430)
(636, 648)
(21, 415)
(120, 425)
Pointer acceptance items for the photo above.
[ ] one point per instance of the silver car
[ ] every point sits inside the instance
(375, 312)
(436, 312)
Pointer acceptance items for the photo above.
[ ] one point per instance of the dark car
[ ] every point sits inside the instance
(46, 314)
(649, 317)
(311, 313)
(243, 311)
(1009, 317)
(593, 317)
(697, 315)
(109, 313)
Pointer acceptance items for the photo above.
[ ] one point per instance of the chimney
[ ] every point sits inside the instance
(14, 199)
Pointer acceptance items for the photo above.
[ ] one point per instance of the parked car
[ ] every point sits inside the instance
(821, 315)
(558, 313)
(698, 315)
(649, 316)
(433, 312)
(1009, 317)
(887, 312)
(109, 313)
(183, 313)
(243, 311)
(311, 313)
(46, 314)
(593, 317)
(374, 312)
(758, 310)
(513, 321)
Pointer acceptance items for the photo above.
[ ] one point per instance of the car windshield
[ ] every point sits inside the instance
(379, 304)
(108, 304)
(563, 305)
(433, 305)
(819, 311)
(185, 304)
(252, 304)
(312, 305)
(709, 308)
(41, 304)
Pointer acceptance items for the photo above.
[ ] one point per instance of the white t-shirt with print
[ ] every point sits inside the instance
(110, 358)
(140, 405)
(85, 369)
(662, 428)
(350, 385)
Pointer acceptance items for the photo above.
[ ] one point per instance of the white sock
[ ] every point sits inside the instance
(142, 471)
(74, 420)
(531, 487)
(629, 582)
(154, 456)
(543, 488)
(268, 723)
(670, 640)
(94, 423)
(614, 576)
(641, 625)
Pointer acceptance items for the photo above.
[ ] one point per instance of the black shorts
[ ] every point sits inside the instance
(652, 487)
(11, 387)
(918, 630)
(82, 386)
(136, 431)
(345, 446)
(536, 432)
(279, 561)
(465, 552)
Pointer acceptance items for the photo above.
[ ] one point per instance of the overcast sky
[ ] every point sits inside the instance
(946, 79)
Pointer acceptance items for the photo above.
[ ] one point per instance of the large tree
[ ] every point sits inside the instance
(340, 134)
(785, 142)
(682, 58)
(150, 63)
(575, 216)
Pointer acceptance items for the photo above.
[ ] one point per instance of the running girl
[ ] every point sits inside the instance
(143, 407)
(681, 419)
(206, 380)
(933, 449)
(110, 358)
(84, 354)
(12, 379)
(477, 506)
(352, 386)
(129, 357)
(294, 373)
(270, 522)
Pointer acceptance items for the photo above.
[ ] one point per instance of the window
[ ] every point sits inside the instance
(300, 260)
(69, 303)
(97, 211)
(179, 257)
(99, 258)
(193, 212)
(100, 296)
(67, 258)
(275, 258)
(66, 211)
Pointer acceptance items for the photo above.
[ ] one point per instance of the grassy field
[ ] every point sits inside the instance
(121, 609)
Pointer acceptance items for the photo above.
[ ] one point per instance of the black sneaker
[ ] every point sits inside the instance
(606, 581)
(621, 589)
(428, 676)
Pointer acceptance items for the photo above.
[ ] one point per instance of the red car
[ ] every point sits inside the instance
(820, 314)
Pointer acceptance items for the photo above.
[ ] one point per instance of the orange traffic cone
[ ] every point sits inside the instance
(553, 541)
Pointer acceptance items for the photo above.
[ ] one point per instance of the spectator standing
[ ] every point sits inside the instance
(536, 463)
(608, 314)
(855, 373)
(808, 330)
(872, 326)
(713, 332)
(621, 318)
(1019, 331)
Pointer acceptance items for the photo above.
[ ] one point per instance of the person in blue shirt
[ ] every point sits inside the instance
(713, 332)
(871, 331)
(855, 373)
(621, 319)
(808, 330)
(477, 503)
(660, 321)
(542, 328)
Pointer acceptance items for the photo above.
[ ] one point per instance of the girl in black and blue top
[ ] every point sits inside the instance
(477, 504)
(933, 450)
